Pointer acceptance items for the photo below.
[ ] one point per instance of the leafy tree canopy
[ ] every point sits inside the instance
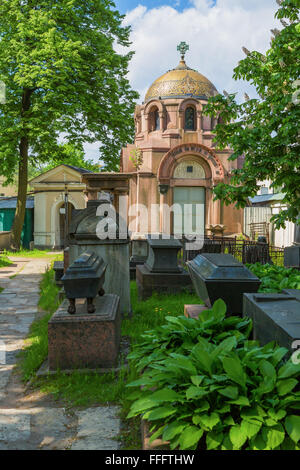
(265, 130)
(62, 77)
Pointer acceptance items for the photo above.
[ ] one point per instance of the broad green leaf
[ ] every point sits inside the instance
(190, 437)
(277, 415)
(230, 392)
(237, 436)
(161, 412)
(273, 436)
(267, 369)
(292, 426)
(219, 309)
(165, 394)
(195, 392)
(250, 428)
(242, 401)
(288, 370)
(234, 370)
(156, 434)
(173, 429)
(141, 405)
(213, 440)
(286, 386)
(203, 358)
(209, 421)
(197, 379)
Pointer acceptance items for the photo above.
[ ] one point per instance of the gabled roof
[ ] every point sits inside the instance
(73, 171)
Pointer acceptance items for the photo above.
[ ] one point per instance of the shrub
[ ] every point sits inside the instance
(217, 391)
(275, 278)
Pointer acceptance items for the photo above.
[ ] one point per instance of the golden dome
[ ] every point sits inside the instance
(181, 82)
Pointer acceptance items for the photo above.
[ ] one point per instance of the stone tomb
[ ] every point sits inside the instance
(218, 276)
(275, 317)
(161, 272)
(85, 340)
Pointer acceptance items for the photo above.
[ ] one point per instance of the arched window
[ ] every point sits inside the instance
(189, 119)
(156, 120)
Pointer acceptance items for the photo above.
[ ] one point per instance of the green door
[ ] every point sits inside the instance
(189, 215)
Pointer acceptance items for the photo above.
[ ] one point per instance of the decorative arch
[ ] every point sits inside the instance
(182, 109)
(200, 151)
(55, 230)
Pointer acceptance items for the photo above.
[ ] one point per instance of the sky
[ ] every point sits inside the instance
(216, 31)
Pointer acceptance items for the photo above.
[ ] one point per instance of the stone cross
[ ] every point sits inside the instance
(183, 47)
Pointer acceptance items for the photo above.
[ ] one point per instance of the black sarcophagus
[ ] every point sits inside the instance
(218, 276)
(84, 279)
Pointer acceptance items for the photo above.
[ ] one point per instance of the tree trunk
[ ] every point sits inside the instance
(22, 178)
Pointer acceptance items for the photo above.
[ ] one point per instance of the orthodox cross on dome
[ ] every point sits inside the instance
(183, 47)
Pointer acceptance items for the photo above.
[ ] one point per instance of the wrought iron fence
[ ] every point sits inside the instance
(243, 250)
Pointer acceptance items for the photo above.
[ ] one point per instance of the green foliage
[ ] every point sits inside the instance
(210, 391)
(265, 130)
(5, 261)
(62, 57)
(275, 278)
(180, 334)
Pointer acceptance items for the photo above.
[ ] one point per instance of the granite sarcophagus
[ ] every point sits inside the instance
(275, 317)
(84, 279)
(218, 276)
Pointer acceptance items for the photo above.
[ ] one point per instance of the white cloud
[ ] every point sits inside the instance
(214, 32)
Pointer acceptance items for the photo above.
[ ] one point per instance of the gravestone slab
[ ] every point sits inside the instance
(162, 283)
(85, 340)
(275, 317)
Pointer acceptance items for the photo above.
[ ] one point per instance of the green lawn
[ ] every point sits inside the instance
(4, 261)
(31, 253)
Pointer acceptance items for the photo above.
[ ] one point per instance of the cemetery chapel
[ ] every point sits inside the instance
(179, 161)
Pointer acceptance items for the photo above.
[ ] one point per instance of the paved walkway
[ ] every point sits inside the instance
(33, 421)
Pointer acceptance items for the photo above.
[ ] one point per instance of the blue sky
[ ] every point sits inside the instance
(216, 31)
(126, 5)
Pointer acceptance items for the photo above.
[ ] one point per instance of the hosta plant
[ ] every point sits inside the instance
(220, 395)
(275, 278)
(180, 334)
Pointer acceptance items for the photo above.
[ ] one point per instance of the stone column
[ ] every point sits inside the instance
(163, 189)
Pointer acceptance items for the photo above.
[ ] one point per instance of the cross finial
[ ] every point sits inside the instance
(183, 47)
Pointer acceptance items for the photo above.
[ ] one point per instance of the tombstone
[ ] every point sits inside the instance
(114, 249)
(85, 335)
(275, 317)
(139, 253)
(292, 253)
(161, 272)
(218, 276)
(58, 268)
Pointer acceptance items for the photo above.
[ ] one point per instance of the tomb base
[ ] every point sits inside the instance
(85, 340)
(162, 283)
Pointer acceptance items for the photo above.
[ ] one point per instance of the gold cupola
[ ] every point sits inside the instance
(181, 82)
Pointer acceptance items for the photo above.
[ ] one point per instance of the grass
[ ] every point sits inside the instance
(4, 261)
(30, 253)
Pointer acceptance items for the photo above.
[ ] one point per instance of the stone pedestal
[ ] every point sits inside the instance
(139, 253)
(162, 283)
(58, 268)
(275, 317)
(292, 256)
(85, 340)
(194, 310)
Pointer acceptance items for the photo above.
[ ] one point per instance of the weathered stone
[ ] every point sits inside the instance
(98, 429)
(193, 311)
(162, 283)
(275, 317)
